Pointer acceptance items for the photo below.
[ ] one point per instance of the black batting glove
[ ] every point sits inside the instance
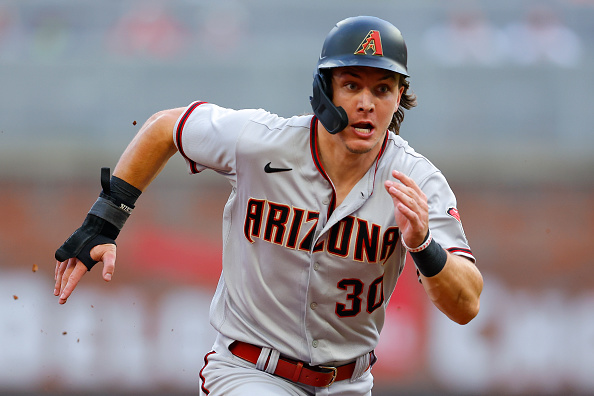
(103, 222)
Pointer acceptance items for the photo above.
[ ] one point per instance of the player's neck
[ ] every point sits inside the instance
(344, 168)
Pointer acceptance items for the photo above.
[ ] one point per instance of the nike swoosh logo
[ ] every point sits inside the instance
(269, 169)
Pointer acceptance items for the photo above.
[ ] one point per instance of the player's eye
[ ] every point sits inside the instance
(350, 86)
(383, 89)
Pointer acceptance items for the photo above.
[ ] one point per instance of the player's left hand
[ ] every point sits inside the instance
(410, 208)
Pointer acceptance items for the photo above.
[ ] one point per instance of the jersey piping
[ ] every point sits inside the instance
(314, 154)
(178, 135)
(461, 251)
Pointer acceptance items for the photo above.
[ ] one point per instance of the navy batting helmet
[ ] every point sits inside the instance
(356, 41)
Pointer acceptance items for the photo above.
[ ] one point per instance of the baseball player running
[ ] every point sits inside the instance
(322, 213)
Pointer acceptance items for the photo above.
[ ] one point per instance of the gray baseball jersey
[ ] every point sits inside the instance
(300, 275)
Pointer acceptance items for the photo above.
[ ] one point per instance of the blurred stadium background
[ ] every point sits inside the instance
(505, 95)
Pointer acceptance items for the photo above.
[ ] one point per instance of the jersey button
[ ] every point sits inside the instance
(316, 266)
(314, 343)
(326, 201)
(313, 305)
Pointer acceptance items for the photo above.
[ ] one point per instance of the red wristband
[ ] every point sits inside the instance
(422, 246)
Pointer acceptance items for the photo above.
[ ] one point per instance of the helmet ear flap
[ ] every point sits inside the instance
(326, 81)
(333, 118)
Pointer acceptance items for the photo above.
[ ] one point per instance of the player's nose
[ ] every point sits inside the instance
(365, 101)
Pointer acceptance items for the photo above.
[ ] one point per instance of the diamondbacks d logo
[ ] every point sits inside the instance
(371, 44)
(454, 213)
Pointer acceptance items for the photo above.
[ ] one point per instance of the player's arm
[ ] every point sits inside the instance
(94, 241)
(149, 151)
(453, 283)
(456, 289)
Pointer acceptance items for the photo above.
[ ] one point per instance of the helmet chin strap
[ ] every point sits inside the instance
(333, 118)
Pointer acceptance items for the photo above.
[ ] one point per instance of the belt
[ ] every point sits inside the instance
(320, 376)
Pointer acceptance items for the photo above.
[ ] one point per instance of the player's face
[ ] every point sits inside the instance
(370, 96)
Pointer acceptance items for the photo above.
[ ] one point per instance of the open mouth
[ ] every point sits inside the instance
(363, 128)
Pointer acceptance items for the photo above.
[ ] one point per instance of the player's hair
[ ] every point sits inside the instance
(407, 101)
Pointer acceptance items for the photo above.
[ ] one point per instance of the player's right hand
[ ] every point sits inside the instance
(68, 273)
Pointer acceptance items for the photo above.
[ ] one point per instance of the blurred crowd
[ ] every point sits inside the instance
(468, 37)
(159, 31)
(136, 30)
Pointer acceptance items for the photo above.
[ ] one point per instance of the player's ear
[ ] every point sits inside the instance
(400, 92)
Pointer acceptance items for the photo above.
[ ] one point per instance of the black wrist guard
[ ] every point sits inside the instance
(103, 222)
(430, 258)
